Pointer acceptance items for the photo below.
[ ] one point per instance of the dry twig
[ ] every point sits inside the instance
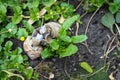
(91, 19)
(79, 5)
(86, 45)
(65, 69)
(77, 28)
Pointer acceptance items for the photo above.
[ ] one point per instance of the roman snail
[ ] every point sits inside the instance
(40, 37)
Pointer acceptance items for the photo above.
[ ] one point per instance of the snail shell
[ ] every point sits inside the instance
(45, 34)
(54, 27)
(32, 52)
(41, 36)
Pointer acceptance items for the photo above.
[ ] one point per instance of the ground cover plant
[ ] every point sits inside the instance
(79, 53)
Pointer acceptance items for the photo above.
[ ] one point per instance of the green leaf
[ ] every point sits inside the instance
(22, 32)
(16, 19)
(67, 24)
(101, 75)
(70, 50)
(46, 53)
(117, 2)
(0, 48)
(17, 59)
(79, 39)
(3, 11)
(99, 3)
(33, 4)
(18, 50)
(65, 38)
(17, 15)
(34, 13)
(8, 45)
(117, 17)
(1, 40)
(54, 45)
(28, 26)
(86, 66)
(6, 34)
(113, 8)
(28, 73)
(17, 10)
(47, 3)
(62, 32)
(13, 28)
(108, 21)
(13, 3)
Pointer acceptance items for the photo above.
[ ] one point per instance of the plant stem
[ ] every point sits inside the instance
(89, 75)
(12, 74)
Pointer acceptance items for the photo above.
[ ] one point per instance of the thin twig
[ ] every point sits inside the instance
(107, 52)
(78, 5)
(65, 69)
(10, 74)
(83, 14)
(109, 48)
(44, 76)
(77, 28)
(39, 64)
(4, 32)
(105, 49)
(96, 72)
(22, 16)
(117, 28)
(86, 45)
(91, 19)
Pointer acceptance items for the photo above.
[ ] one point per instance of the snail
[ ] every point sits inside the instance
(40, 37)
(45, 34)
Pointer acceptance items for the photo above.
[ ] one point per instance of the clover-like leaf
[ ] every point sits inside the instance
(17, 59)
(16, 19)
(34, 13)
(47, 3)
(28, 73)
(3, 11)
(28, 26)
(18, 50)
(113, 8)
(17, 15)
(8, 45)
(12, 28)
(22, 33)
(117, 2)
(108, 21)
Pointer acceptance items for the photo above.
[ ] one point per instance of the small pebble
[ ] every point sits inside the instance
(53, 60)
(75, 69)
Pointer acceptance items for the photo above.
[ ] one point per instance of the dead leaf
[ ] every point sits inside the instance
(111, 76)
(51, 75)
(61, 20)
